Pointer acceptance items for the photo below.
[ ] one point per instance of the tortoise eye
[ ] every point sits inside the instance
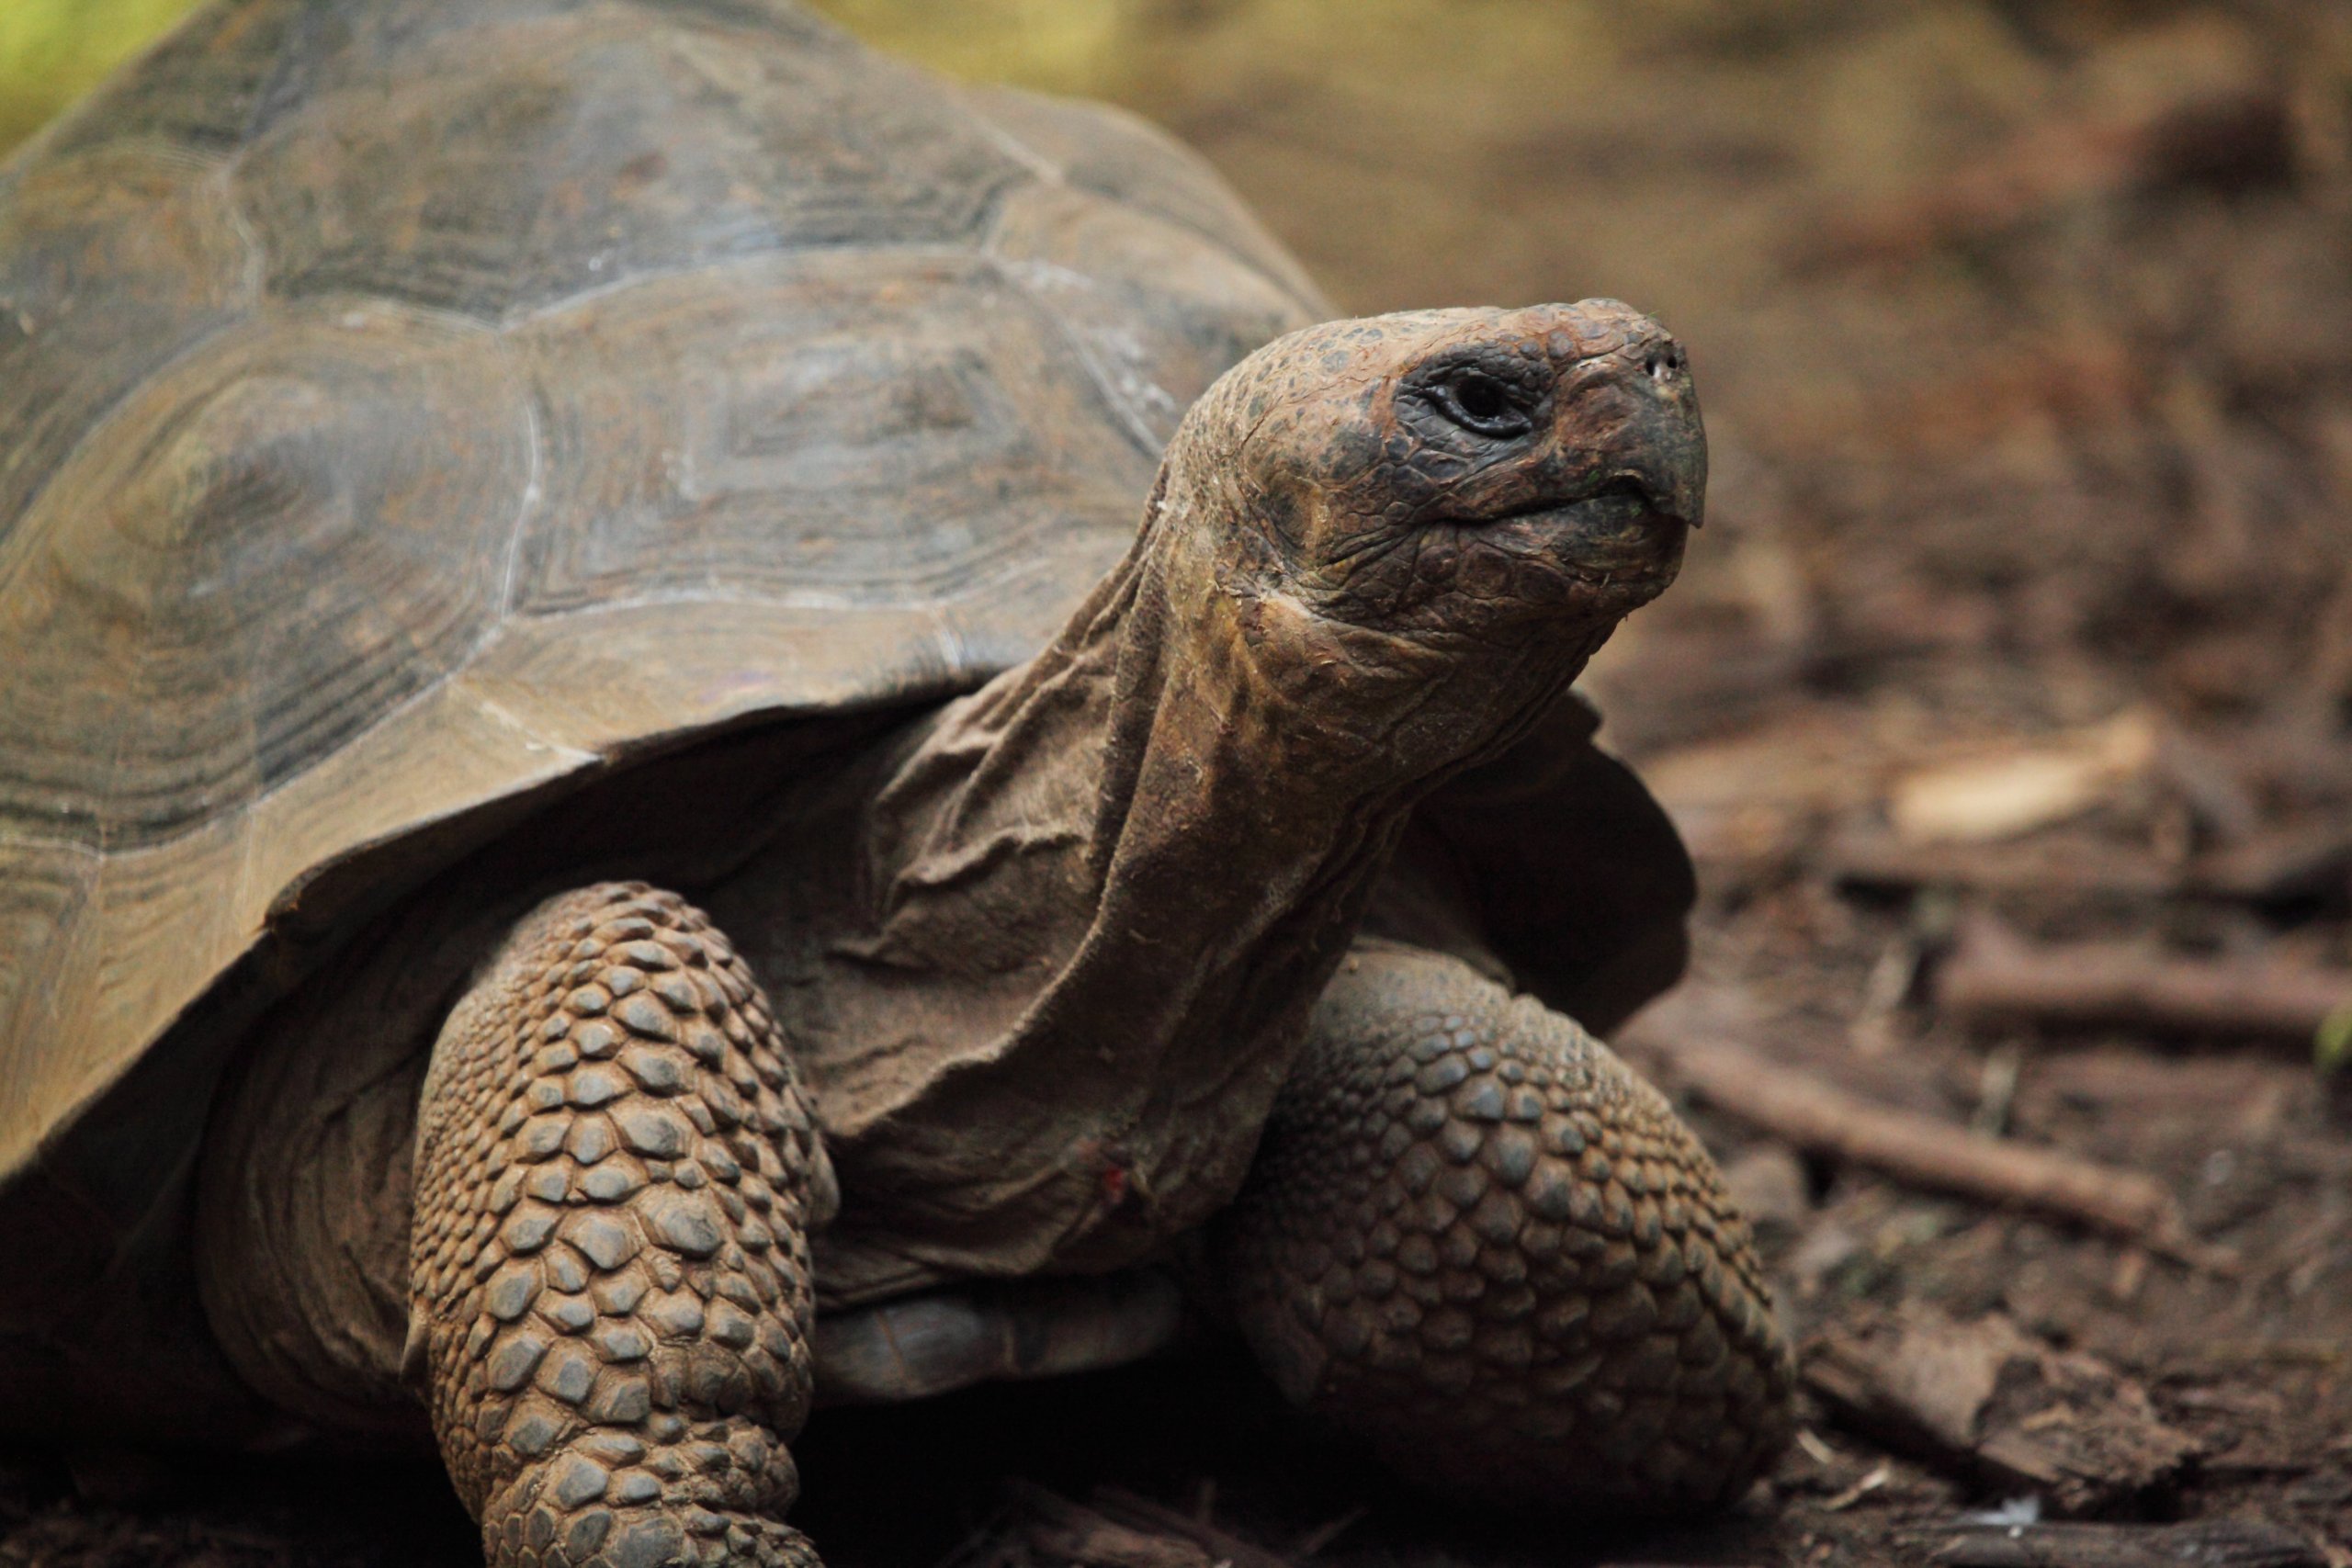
(1479, 398)
(1481, 404)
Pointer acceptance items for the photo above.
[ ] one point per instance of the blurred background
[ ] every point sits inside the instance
(2007, 700)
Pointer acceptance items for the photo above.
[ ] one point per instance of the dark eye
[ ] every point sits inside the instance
(1480, 403)
(1479, 398)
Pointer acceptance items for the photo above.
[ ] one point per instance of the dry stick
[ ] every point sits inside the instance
(1324, 1534)
(1927, 1153)
(2284, 864)
(1992, 974)
(1078, 1534)
(2073, 866)
(1117, 1501)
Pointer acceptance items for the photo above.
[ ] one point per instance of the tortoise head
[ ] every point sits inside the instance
(1441, 512)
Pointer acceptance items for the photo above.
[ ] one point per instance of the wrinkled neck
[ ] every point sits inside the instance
(1100, 895)
(1213, 775)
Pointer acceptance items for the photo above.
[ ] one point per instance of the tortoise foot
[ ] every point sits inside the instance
(609, 1283)
(601, 1502)
(1474, 1238)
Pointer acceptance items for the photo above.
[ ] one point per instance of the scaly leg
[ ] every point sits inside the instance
(1475, 1239)
(609, 1285)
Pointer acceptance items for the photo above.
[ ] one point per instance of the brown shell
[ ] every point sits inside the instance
(410, 405)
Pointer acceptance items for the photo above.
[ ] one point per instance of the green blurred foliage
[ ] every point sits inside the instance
(1061, 46)
(53, 52)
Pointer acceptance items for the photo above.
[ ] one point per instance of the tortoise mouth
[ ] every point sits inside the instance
(1617, 537)
(1616, 503)
(1597, 554)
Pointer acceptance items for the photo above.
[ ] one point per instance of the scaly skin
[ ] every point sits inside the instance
(1478, 1240)
(609, 1263)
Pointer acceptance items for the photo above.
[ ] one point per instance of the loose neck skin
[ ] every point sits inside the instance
(1046, 1003)
(1099, 897)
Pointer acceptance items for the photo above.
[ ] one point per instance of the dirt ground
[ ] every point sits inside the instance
(2006, 702)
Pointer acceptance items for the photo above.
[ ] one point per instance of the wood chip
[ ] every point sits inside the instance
(2011, 792)
(1993, 1402)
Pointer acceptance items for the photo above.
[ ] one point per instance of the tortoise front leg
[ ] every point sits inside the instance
(609, 1286)
(1474, 1238)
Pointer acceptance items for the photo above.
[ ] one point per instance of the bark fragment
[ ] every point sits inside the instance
(1988, 1399)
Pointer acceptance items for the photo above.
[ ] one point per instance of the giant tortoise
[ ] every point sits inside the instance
(692, 721)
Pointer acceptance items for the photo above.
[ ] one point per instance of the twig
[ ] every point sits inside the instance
(2277, 1352)
(2307, 863)
(1327, 1532)
(996, 1543)
(1859, 1490)
(2051, 863)
(1920, 1150)
(1993, 974)
(1075, 1533)
(1119, 1502)
(2314, 862)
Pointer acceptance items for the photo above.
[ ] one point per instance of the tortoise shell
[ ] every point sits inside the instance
(411, 407)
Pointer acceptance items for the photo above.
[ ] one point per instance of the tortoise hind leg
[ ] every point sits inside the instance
(1472, 1237)
(609, 1286)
